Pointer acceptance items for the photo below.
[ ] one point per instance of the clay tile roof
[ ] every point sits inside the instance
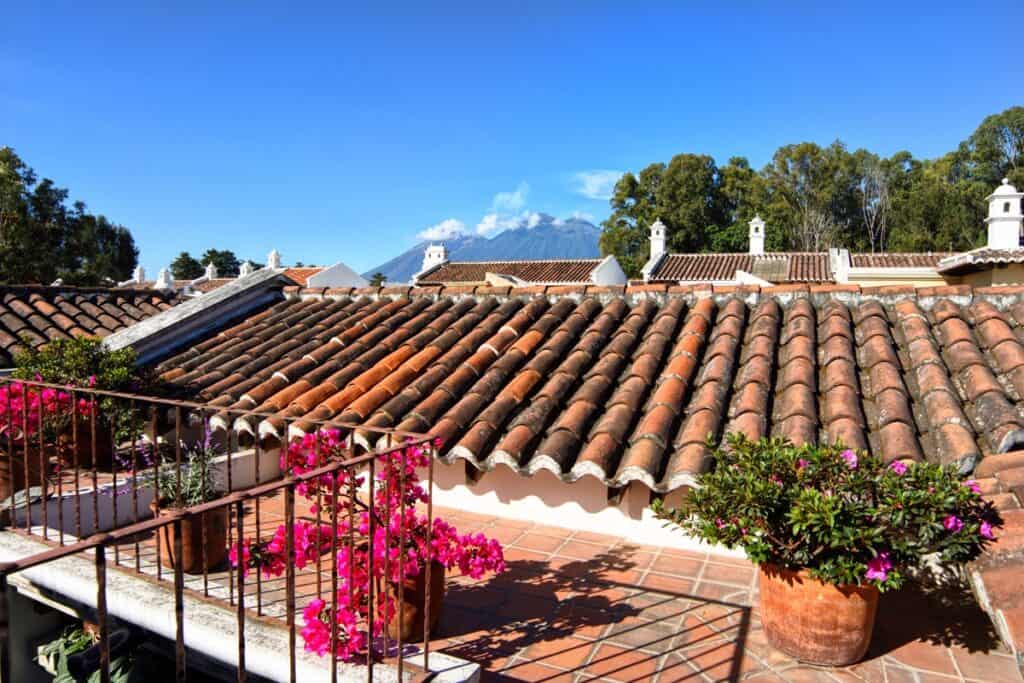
(895, 260)
(628, 385)
(983, 258)
(210, 285)
(300, 276)
(775, 267)
(562, 271)
(31, 315)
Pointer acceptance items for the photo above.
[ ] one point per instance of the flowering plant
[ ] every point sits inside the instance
(400, 544)
(24, 409)
(845, 516)
(84, 362)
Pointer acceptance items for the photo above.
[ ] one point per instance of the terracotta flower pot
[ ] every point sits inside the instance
(411, 622)
(82, 443)
(816, 622)
(216, 523)
(12, 472)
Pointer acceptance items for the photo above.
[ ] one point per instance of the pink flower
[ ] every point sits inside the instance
(801, 464)
(985, 530)
(719, 522)
(92, 380)
(898, 466)
(973, 486)
(850, 457)
(953, 523)
(878, 567)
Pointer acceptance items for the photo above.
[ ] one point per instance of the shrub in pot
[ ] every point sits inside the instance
(84, 363)
(31, 421)
(830, 527)
(202, 536)
(397, 487)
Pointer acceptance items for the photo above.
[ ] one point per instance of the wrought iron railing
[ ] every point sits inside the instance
(70, 498)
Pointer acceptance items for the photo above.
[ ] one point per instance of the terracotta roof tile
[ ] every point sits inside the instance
(31, 315)
(560, 271)
(898, 260)
(628, 388)
(776, 267)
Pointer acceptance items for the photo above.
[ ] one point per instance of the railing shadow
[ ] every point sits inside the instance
(584, 619)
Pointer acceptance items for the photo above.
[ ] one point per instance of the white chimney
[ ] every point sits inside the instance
(756, 235)
(139, 274)
(245, 269)
(1004, 217)
(211, 271)
(435, 255)
(274, 259)
(657, 239)
(163, 280)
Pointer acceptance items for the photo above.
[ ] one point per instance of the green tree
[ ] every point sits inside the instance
(185, 267)
(378, 279)
(224, 259)
(42, 238)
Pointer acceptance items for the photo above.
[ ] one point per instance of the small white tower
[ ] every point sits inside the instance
(274, 259)
(657, 239)
(163, 280)
(139, 274)
(1004, 217)
(211, 271)
(245, 269)
(435, 255)
(756, 235)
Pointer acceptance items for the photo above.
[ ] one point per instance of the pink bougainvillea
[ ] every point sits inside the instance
(23, 409)
(400, 545)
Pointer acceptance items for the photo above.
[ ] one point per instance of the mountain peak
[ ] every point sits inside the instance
(547, 238)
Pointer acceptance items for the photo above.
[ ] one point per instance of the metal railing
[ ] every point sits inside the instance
(150, 441)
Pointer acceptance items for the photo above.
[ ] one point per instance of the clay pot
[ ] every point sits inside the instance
(216, 522)
(12, 472)
(69, 443)
(815, 622)
(411, 623)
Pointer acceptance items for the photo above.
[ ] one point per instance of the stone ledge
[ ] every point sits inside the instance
(210, 627)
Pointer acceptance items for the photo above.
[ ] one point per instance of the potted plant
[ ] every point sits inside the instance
(829, 528)
(397, 486)
(84, 363)
(194, 484)
(31, 418)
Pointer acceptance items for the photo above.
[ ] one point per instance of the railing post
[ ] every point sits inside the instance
(240, 574)
(101, 612)
(5, 630)
(179, 605)
(289, 524)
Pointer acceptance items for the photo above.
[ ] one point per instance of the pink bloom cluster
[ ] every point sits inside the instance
(400, 545)
(22, 407)
(879, 567)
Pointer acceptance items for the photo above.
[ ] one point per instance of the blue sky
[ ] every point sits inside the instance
(340, 133)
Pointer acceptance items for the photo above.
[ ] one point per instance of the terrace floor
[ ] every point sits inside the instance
(576, 606)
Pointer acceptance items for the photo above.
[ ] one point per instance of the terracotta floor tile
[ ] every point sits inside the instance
(675, 585)
(653, 637)
(729, 573)
(519, 554)
(925, 656)
(565, 652)
(622, 664)
(678, 566)
(985, 666)
(539, 542)
(586, 551)
(534, 672)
